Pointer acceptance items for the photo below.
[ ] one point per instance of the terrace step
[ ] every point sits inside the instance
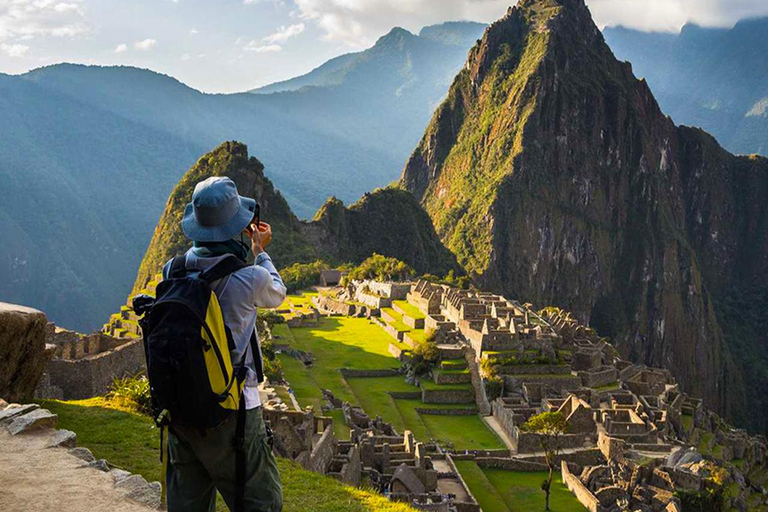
(449, 352)
(451, 377)
(454, 364)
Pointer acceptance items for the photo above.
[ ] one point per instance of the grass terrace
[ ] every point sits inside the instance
(357, 343)
(409, 309)
(397, 320)
(498, 490)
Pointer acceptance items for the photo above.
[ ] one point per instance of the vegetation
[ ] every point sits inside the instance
(381, 268)
(342, 342)
(132, 442)
(498, 490)
(424, 357)
(132, 393)
(303, 275)
(549, 427)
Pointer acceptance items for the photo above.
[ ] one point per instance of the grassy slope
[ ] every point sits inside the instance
(498, 490)
(131, 442)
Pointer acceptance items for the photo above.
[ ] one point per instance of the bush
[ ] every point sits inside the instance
(133, 393)
(381, 268)
(450, 279)
(424, 357)
(302, 275)
(273, 370)
(494, 386)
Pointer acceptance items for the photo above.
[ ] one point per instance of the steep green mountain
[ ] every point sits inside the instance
(89, 155)
(553, 175)
(388, 221)
(713, 78)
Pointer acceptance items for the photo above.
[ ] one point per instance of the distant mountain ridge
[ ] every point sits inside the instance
(553, 175)
(713, 78)
(88, 156)
(453, 36)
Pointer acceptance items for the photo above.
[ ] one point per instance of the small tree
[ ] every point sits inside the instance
(549, 427)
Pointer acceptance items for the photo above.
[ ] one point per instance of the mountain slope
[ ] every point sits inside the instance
(89, 155)
(388, 222)
(713, 78)
(553, 175)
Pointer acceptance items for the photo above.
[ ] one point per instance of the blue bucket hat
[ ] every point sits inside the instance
(217, 212)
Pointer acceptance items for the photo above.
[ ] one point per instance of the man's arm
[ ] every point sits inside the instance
(270, 290)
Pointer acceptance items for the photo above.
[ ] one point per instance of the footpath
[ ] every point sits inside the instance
(41, 470)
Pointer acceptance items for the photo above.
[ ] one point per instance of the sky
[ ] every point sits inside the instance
(237, 45)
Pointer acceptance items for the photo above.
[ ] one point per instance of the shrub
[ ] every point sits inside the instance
(302, 275)
(381, 268)
(424, 357)
(494, 386)
(273, 370)
(133, 393)
(488, 368)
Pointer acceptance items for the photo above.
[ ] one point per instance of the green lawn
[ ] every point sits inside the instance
(409, 309)
(397, 320)
(341, 342)
(131, 442)
(498, 490)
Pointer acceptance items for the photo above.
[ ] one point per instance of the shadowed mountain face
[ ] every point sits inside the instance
(553, 175)
(388, 221)
(88, 156)
(713, 78)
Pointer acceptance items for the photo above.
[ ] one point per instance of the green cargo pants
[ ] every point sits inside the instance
(199, 463)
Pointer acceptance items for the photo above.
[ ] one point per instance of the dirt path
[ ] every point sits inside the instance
(38, 479)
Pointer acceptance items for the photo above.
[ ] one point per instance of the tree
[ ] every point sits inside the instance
(549, 427)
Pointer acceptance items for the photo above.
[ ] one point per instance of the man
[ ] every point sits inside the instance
(220, 222)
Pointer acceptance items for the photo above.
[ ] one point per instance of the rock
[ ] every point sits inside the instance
(118, 475)
(3, 404)
(140, 491)
(83, 453)
(130, 482)
(63, 439)
(35, 420)
(15, 410)
(100, 464)
(22, 350)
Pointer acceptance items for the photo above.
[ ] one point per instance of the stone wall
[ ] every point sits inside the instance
(578, 489)
(528, 442)
(447, 396)
(323, 452)
(352, 373)
(598, 378)
(510, 464)
(93, 375)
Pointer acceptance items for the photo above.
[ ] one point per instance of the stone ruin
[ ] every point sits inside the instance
(85, 365)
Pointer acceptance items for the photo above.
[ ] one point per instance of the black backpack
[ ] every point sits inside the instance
(192, 379)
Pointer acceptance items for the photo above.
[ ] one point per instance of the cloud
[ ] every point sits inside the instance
(29, 19)
(194, 32)
(185, 57)
(145, 45)
(255, 47)
(284, 33)
(14, 50)
(358, 23)
(671, 15)
(121, 48)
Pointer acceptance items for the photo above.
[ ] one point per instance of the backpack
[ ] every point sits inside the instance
(188, 353)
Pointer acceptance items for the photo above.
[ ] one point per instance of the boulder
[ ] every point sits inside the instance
(35, 420)
(22, 350)
(63, 439)
(101, 465)
(83, 453)
(15, 410)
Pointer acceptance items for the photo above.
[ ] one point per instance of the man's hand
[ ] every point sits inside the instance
(261, 237)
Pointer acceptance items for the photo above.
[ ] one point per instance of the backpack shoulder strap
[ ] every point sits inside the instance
(178, 267)
(227, 266)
